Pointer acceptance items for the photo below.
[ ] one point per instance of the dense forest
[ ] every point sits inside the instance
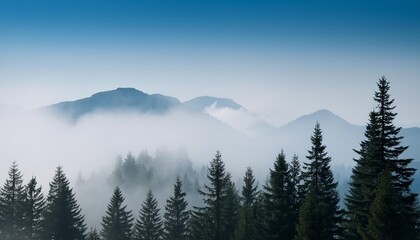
(299, 200)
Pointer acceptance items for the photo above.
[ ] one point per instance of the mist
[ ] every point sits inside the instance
(90, 147)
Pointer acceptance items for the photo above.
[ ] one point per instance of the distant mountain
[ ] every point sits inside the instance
(121, 99)
(201, 103)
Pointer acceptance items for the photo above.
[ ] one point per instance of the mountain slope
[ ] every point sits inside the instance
(121, 99)
(201, 103)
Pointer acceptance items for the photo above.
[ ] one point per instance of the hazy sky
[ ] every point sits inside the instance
(280, 59)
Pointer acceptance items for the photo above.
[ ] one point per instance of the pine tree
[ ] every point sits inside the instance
(149, 224)
(63, 218)
(117, 223)
(214, 199)
(383, 223)
(363, 181)
(295, 181)
(310, 224)
(33, 209)
(281, 219)
(247, 228)
(231, 208)
(176, 215)
(319, 179)
(381, 148)
(12, 201)
(93, 235)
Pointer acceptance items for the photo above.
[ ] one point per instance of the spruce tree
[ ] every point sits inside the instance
(310, 224)
(231, 208)
(247, 227)
(295, 181)
(63, 218)
(214, 198)
(383, 223)
(93, 235)
(12, 202)
(176, 215)
(319, 179)
(118, 222)
(149, 224)
(33, 209)
(281, 218)
(382, 148)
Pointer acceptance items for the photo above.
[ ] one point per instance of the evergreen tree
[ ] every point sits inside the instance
(310, 226)
(295, 181)
(149, 224)
(93, 235)
(319, 179)
(117, 223)
(363, 181)
(214, 198)
(382, 148)
(12, 201)
(231, 208)
(247, 228)
(33, 208)
(176, 215)
(281, 217)
(383, 223)
(63, 218)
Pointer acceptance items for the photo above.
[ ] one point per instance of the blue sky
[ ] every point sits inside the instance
(280, 59)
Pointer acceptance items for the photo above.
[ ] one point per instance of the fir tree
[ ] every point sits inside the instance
(12, 202)
(310, 226)
(382, 148)
(63, 218)
(214, 199)
(281, 218)
(33, 208)
(93, 235)
(319, 179)
(247, 228)
(117, 223)
(231, 208)
(295, 181)
(176, 215)
(383, 223)
(149, 224)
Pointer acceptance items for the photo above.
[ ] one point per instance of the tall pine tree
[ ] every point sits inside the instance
(117, 223)
(33, 209)
(382, 148)
(214, 198)
(12, 202)
(247, 227)
(319, 183)
(281, 218)
(63, 218)
(149, 224)
(176, 215)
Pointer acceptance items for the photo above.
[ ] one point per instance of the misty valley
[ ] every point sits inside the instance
(72, 173)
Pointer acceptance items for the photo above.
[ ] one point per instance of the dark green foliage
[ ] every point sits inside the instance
(12, 203)
(279, 201)
(380, 150)
(33, 208)
(295, 183)
(149, 224)
(247, 226)
(384, 220)
(319, 180)
(63, 218)
(310, 225)
(231, 208)
(117, 223)
(219, 216)
(176, 215)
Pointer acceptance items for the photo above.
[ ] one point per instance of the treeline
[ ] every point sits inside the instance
(296, 202)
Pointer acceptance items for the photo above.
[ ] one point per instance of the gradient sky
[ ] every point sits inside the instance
(280, 59)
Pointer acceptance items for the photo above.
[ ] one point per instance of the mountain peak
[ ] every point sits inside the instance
(323, 116)
(200, 103)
